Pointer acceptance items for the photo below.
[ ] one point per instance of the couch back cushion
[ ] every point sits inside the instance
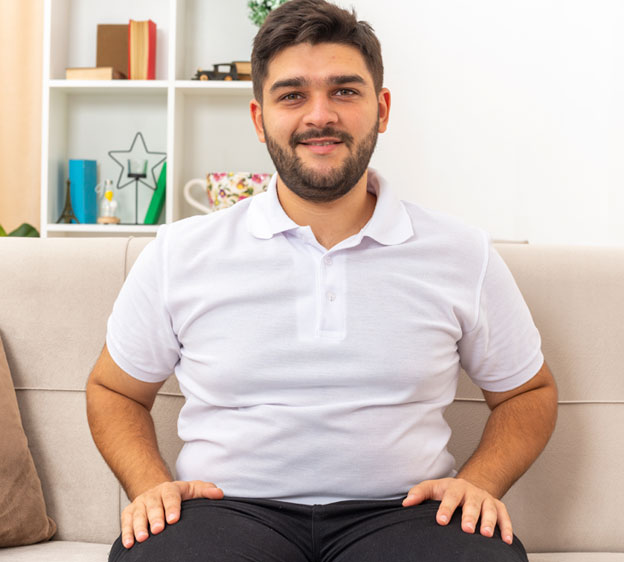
(55, 299)
(567, 501)
(58, 294)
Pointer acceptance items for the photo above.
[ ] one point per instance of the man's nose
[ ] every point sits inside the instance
(320, 112)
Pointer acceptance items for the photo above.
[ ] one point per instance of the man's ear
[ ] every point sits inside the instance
(384, 109)
(256, 116)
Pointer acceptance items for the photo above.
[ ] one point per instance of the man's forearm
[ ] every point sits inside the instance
(123, 431)
(515, 434)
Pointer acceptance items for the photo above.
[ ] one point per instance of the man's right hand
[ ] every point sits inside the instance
(160, 503)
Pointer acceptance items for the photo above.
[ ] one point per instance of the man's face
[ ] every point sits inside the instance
(320, 118)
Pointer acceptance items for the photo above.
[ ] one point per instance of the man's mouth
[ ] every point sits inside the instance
(321, 142)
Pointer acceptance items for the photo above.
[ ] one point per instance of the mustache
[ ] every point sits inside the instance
(342, 136)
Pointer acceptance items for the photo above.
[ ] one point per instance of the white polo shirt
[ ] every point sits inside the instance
(315, 375)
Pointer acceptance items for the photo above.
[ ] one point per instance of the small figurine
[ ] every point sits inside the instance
(108, 207)
(237, 70)
(68, 215)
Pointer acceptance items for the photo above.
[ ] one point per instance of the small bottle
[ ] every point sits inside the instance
(108, 207)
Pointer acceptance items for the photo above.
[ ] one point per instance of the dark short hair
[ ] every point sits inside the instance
(313, 21)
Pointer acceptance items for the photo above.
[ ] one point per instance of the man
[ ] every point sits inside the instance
(317, 332)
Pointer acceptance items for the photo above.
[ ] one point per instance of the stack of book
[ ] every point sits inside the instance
(123, 51)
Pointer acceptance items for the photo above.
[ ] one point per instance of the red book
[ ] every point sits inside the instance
(141, 50)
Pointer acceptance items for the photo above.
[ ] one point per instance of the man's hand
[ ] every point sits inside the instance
(475, 502)
(161, 502)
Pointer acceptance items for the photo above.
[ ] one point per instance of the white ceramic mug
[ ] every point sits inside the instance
(223, 189)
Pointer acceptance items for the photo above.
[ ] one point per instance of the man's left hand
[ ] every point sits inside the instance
(476, 503)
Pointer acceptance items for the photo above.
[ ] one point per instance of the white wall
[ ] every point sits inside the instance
(508, 114)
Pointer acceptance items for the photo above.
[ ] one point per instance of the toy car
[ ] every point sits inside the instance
(237, 70)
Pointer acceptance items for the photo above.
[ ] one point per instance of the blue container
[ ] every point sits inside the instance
(83, 179)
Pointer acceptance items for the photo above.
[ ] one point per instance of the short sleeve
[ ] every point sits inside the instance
(139, 335)
(503, 349)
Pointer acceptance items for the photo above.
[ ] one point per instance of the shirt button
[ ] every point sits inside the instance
(328, 260)
(331, 297)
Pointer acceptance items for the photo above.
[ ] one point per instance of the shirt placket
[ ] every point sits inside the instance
(331, 301)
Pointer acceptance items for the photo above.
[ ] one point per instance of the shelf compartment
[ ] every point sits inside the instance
(74, 30)
(217, 134)
(210, 32)
(87, 125)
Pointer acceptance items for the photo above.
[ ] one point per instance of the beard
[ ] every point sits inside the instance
(321, 187)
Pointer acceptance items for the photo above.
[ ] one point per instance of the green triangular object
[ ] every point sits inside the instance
(158, 199)
(26, 230)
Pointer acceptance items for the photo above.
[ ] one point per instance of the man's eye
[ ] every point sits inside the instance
(291, 97)
(345, 92)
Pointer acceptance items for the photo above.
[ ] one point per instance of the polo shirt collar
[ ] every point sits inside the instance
(389, 225)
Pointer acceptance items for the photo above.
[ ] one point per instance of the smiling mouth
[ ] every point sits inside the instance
(321, 142)
(321, 138)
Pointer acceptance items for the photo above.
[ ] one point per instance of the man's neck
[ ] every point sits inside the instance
(330, 222)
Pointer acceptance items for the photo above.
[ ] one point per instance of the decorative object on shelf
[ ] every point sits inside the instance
(98, 73)
(158, 199)
(83, 178)
(225, 188)
(108, 208)
(138, 160)
(112, 47)
(68, 216)
(139, 152)
(237, 70)
(142, 50)
(23, 230)
(259, 9)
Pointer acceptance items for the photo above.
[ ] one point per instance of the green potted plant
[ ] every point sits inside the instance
(259, 9)
(24, 229)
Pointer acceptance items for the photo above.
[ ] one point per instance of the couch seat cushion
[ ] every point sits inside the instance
(66, 551)
(577, 557)
(57, 551)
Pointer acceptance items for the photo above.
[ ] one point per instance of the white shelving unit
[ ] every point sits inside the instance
(203, 126)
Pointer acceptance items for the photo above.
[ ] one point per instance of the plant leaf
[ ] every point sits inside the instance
(2, 231)
(25, 230)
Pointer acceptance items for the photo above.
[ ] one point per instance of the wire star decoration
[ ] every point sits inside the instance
(139, 153)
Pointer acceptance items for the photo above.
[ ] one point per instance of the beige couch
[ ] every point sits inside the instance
(57, 293)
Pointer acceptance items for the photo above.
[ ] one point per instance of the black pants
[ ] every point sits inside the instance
(251, 530)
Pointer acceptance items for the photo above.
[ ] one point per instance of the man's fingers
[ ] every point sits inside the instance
(504, 522)
(127, 529)
(211, 492)
(200, 489)
(155, 513)
(161, 506)
(419, 493)
(476, 504)
(470, 513)
(171, 500)
(139, 523)
(489, 517)
(451, 499)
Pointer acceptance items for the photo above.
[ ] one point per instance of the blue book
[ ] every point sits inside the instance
(83, 179)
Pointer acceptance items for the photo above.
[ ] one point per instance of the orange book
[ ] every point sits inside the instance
(141, 50)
